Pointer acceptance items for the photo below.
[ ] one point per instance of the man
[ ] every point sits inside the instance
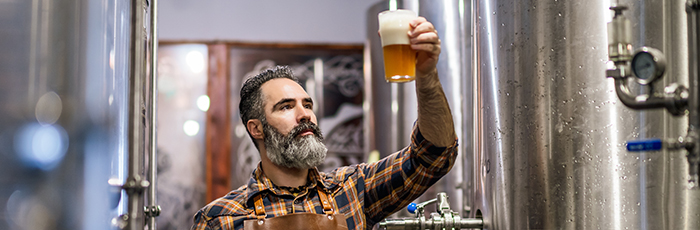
(287, 192)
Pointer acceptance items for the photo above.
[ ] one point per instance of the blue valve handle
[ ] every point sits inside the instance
(412, 208)
(644, 145)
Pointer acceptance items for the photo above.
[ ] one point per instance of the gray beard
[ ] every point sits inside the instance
(300, 153)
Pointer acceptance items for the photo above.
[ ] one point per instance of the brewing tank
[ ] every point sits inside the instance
(63, 113)
(549, 131)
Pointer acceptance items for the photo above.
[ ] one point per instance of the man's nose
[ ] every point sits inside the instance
(303, 114)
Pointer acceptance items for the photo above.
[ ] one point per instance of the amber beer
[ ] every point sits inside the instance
(399, 58)
(399, 63)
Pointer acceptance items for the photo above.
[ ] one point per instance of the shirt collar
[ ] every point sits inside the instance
(260, 183)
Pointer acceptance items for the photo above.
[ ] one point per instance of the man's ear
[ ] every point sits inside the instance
(255, 128)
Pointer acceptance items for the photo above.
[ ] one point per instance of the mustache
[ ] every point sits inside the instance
(306, 126)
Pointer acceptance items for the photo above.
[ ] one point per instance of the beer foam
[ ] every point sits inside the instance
(394, 26)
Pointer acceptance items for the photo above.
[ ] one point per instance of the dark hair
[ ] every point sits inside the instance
(251, 105)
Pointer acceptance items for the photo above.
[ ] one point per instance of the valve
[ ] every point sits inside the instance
(412, 208)
(444, 218)
(644, 145)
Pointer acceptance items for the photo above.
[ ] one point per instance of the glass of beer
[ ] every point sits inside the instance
(399, 58)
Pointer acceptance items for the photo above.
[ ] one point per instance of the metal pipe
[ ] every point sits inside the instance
(153, 210)
(672, 101)
(472, 223)
(135, 182)
(420, 224)
(692, 9)
(400, 224)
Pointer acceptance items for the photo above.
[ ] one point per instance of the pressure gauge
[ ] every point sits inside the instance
(648, 65)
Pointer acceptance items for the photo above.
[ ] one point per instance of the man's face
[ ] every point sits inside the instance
(292, 138)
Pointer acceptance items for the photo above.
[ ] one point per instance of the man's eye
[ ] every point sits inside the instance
(309, 106)
(285, 107)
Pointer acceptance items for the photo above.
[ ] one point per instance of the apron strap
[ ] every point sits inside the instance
(327, 206)
(259, 207)
(323, 197)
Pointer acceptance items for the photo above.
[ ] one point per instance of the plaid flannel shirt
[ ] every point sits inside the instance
(365, 193)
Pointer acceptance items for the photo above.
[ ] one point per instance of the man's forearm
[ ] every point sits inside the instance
(434, 115)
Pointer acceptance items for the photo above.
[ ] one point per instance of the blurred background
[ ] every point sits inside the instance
(122, 114)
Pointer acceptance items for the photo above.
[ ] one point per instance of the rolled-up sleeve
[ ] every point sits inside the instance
(395, 181)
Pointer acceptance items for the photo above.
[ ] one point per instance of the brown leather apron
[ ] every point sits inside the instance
(297, 221)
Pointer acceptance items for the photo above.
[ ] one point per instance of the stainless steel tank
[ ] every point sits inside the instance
(63, 112)
(550, 130)
(391, 108)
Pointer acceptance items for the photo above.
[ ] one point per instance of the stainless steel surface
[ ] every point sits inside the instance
(453, 67)
(390, 108)
(550, 131)
(62, 112)
(136, 182)
(693, 157)
(152, 209)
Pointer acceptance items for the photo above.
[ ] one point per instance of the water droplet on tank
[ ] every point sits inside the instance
(503, 24)
(559, 14)
(494, 13)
